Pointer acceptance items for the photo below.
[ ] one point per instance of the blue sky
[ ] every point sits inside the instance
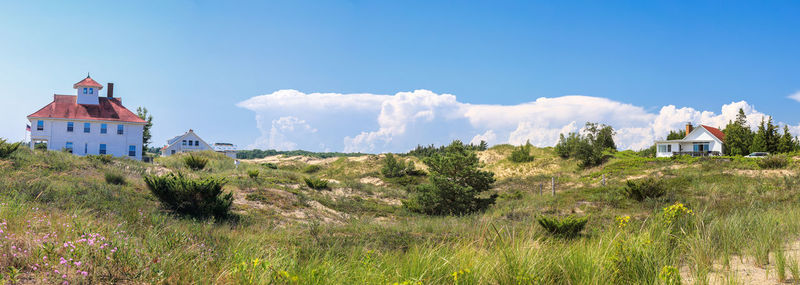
(204, 64)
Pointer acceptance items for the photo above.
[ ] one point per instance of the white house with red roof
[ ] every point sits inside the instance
(87, 123)
(700, 141)
(187, 142)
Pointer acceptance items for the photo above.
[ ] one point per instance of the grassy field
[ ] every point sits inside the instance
(721, 220)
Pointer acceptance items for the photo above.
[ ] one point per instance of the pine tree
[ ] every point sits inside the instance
(738, 136)
(760, 139)
(772, 137)
(676, 135)
(787, 143)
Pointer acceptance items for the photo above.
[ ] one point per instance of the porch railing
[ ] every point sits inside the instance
(697, 153)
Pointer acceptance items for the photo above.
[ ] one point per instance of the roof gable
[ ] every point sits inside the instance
(88, 82)
(715, 132)
(175, 140)
(107, 109)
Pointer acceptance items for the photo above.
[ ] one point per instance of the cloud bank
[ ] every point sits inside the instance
(290, 119)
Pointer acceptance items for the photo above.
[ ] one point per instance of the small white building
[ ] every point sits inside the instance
(226, 149)
(700, 141)
(88, 124)
(187, 142)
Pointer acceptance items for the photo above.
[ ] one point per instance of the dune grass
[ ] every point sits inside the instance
(121, 234)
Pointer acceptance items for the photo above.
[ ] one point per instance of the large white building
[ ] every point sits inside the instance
(88, 124)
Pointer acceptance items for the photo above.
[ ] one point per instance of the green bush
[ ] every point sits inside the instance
(454, 184)
(642, 189)
(115, 178)
(101, 158)
(522, 153)
(6, 149)
(568, 227)
(316, 183)
(270, 165)
(201, 197)
(195, 162)
(253, 173)
(311, 168)
(773, 162)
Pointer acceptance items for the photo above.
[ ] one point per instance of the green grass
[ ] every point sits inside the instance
(373, 240)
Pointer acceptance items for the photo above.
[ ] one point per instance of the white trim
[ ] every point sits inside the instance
(85, 120)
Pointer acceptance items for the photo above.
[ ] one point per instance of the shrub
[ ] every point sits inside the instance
(253, 173)
(773, 162)
(40, 146)
(522, 153)
(101, 158)
(316, 183)
(642, 189)
(195, 162)
(270, 165)
(6, 149)
(201, 197)
(392, 167)
(115, 178)
(568, 227)
(454, 184)
(311, 168)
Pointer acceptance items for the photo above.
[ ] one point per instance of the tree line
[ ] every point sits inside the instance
(740, 139)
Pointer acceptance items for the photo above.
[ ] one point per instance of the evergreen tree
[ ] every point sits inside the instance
(738, 136)
(787, 143)
(760, 138)
(142, 113)
(601, 136)
(772, 137)
(676, 135)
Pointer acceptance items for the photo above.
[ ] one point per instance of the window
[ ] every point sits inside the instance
(132, 150)
(85, 148)
(196, 143)
(91, 90)
(102, 149)
(172, 152)
(103, 128)
(87, 127)
(701, 147)
(183, 142)
(68, 147)
(40, 125)
(190, 142)
(120, 129)
(70, 126)
(84, 90)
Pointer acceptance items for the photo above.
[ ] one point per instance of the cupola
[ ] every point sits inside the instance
(88, 90)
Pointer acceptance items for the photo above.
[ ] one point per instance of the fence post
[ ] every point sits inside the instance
(553, 182)
(604, 179)
(541, 186)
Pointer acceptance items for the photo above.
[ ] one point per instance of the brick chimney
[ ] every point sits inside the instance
(110, 91)
(689, 128)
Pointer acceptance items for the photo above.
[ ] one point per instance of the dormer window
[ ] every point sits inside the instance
(91, 90)
(84, 90)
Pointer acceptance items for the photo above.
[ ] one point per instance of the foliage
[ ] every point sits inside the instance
(430, 150)
(738, 136)
(647, 188)
(766, 138)
(6, 149)
(115, 178)
(675, 212)
(269, 165)
(257, 153)
(454, 184)
(647, 152)
(787, 143)
(670, 275)
(590, 148)
(676, 135)
(201, 197)
(522, 153)
(101, 158)
(311, 168)
(773, 162)
(568, 227)
(252, 173)
(195, 162)
(394, 168)
(40, 146)
(146, 136)
(316, 183)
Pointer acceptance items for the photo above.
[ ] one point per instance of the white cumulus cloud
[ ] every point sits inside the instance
(379, 123)
(795, 96)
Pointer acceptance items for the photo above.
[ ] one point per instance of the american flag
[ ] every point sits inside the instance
(28, 128)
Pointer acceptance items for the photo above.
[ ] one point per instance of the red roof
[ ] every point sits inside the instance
(66, 107)
(88, 82)
(716, 132)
